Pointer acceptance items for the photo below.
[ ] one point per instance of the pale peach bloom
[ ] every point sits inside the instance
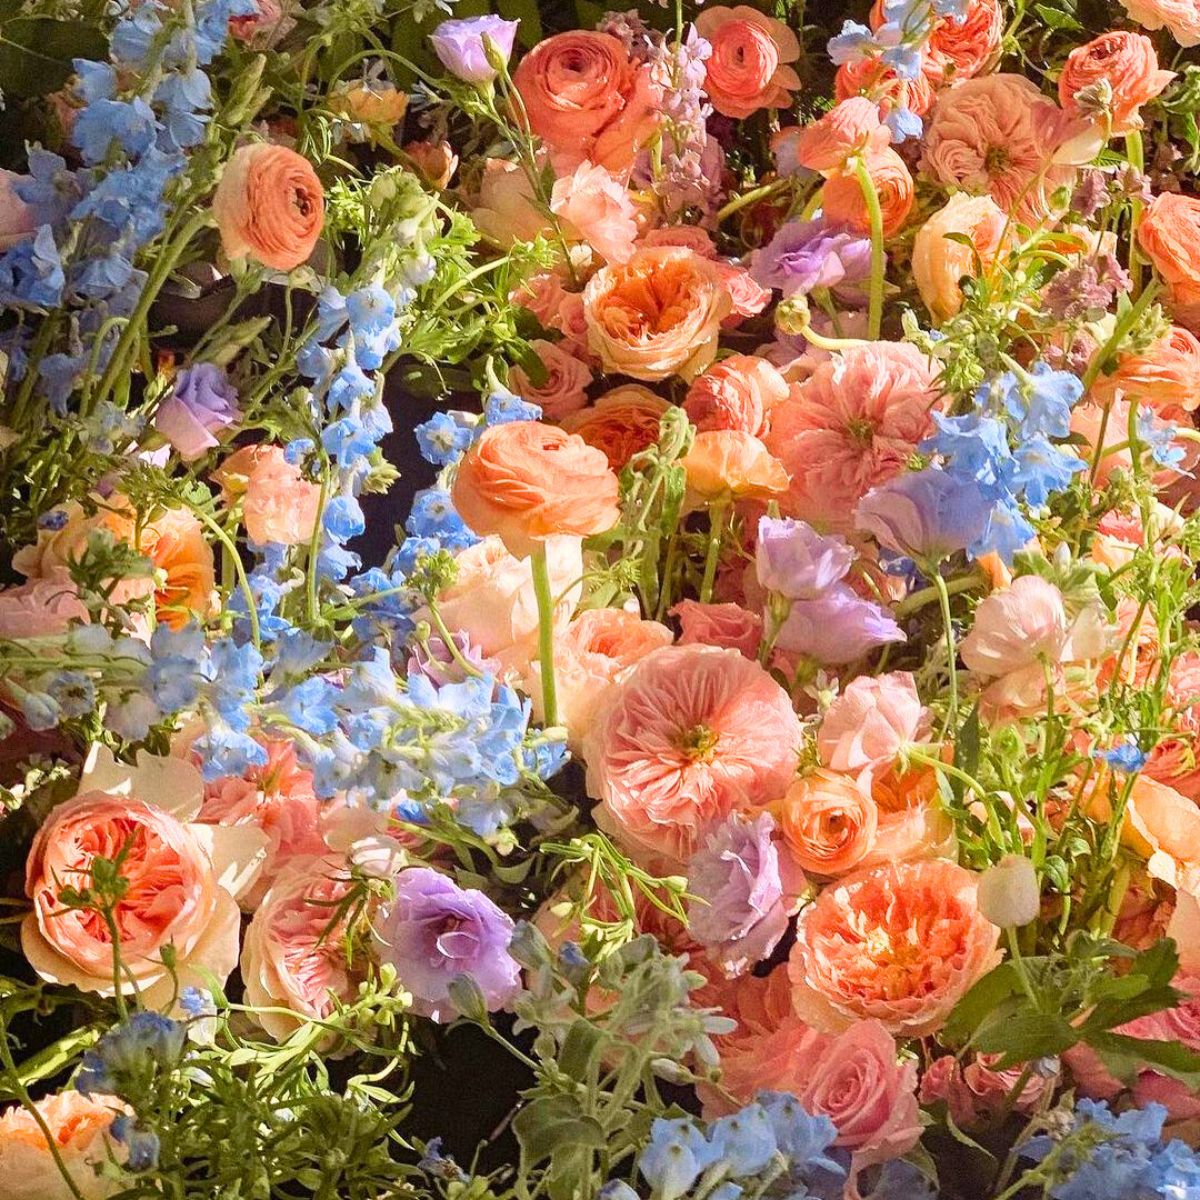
(183, 880)
(277, 798)
(850, 426)
(526, 481)
(1169, 234)
(492, 599)
(278, 504)
(828, 822)
(1166, 374)
(594, 207)
(998, 134)
(1181, 18)
(691, 237)
(690, 735)
(849, 128)
(586, 99)
(656, 315)
(597, 649)
(1160, 825)
(727, 625)
(622, 423)
(978, 1091)
(564, 389)
(911, 820)
(295, 954)
(966, 48)
(901, 943)
(729, 463)
(370, 102)
(80, 1126)
(269, 205)
(872, 721)
(738, 392)
(939, 263)
(844, 202)
(185, 586)
(1126, 63)
(436, 161)
(40, 607)
(505, 210)
(749, 65)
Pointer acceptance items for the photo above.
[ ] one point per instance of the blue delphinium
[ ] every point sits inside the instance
(134, 1050)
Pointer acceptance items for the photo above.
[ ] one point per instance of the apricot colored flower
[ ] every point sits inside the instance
(563, 391)
(727, 625)
(998, 134)
(872, 721)
(586, 99)
(939, 263)
(1126, 63)
(1166, 374)
(183, 880)
(739, 393)
(175, 543)
(748, 68)
(1169, 235)
(278, 504)
(850, 426)
(595, 208)
(901, 943)
(843, 202)
(657, 315)
(873, 78)
(969, 47)
(622, 423)
(727, 462)
(506, 208)
(526, 481)
(595, 651)
(1181, 18)
(828, 822)
(269, 206)
(40, 607)
(690, 735)
(80, 1127)
(851, 127)
(295, 954)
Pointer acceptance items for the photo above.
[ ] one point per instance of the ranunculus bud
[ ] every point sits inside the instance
(1009, 893)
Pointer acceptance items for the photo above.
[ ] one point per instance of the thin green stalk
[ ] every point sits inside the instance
(716, 535)
(1136, 156)
(875, 216)
(545, 607)
(951, 721)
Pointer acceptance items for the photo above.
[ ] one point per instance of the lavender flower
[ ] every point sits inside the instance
(796, 561)
(927, 515)
(434, 931)
(805, 255)
(742, 891)
(203, 402)
(437, 663)
(837, 628)
(459, 45)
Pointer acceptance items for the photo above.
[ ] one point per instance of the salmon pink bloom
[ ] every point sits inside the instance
(871, 721)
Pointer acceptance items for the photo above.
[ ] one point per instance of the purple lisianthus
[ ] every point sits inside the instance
(793, 559)
(434, 931)
(459, 45)
(742, 889)
(805, 255)
(927, 515)
(837, 628)
(202, 403)
(438, 663)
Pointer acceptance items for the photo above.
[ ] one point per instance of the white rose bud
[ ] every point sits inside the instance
(1009, 894)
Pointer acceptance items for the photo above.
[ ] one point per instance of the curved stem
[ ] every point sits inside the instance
(951, 720)
(878, 263)
(1136, 156)
(716, 535)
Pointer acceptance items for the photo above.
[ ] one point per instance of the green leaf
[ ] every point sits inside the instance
(1055, 18)
(1123, 1055)
(36, 53)
(1021, 1036)
(552, 1123)
(580, 1047)
(996, 986)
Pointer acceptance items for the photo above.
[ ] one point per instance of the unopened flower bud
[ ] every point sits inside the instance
(1009, 893)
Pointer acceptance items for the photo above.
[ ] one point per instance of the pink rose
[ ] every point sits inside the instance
(871, 721)
(40, 607)
(506, 211)
(726, 625)
(18, 220)
(278, 503)
(747, 297)
(183, 880)
(595, 208)
(1181, 18)
(564, 389)
(264, 27)
(978, 1092)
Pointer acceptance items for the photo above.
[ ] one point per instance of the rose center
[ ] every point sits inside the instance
(698, 743)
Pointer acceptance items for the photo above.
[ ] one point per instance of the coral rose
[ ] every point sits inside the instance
(843, 202)
(622, 423)
(269, 205)
(525, 481)
(729, 463)
(563, 391)
(1169, 235)
(727, 625)
(968, 47)
(182, 881)
(1181, 18)
(690, 735)
(748, 68)
(828, 822)
(594, 207)
(586, 99)
(939, 263)
(900, 943)
(492, 599)
(850, 426)
(278, 504)
(595, 651)
(849, 128)
(1126, 63)
(872, 721)
(657, 315)
(736, 393)
(295, 954)
(1166, 374)
(80, 1127)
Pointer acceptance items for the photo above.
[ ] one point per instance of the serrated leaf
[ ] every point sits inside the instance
(996, 986)
(1024, 1035)
(1124, 1055)
(551, 1123)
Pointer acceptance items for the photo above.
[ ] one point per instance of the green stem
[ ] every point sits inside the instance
(1122, 327)
(951, 721)
(751, 197)
(1136, 156)
(875, 215)
(716, 534)
(545, 607)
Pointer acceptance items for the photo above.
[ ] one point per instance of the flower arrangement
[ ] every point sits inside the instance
(751, 752)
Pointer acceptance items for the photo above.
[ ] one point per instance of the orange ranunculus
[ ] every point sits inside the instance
(727, 462)
(844, 203)
(748, 67)
(828, 822)
(1166, 374)
(939, 263)
(622, 423)
(1127, 63)
(269, 206)
(526, 481)
(175, 544)
(1170, 237)
(657, 315)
